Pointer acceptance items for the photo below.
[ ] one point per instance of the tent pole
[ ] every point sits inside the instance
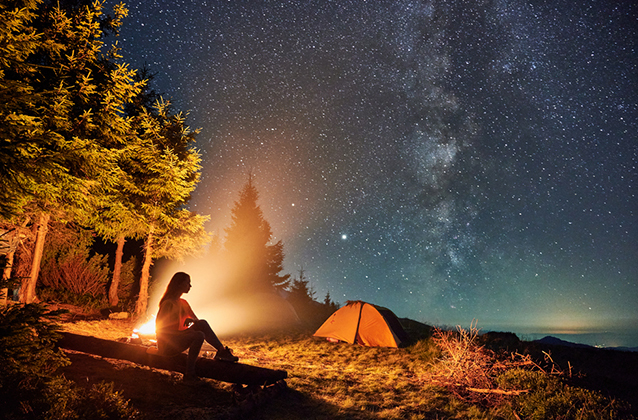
(356, 332)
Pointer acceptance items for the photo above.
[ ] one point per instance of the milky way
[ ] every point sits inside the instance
(449, 160)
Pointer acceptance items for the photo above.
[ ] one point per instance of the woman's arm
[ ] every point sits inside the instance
(168, 317)
(187, 314)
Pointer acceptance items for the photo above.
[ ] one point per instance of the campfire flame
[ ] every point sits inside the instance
(146, 330)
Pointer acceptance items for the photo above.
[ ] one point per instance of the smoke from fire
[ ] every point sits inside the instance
(228, 313)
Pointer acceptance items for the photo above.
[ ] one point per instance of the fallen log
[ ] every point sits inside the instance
(236, 373)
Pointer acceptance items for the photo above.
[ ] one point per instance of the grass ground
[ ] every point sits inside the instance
(328, 381)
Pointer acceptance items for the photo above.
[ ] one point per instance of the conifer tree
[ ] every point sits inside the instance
(118, 220)
(254, 263)
(300, 290)
(63, 135)
(327, 301)
(161, 171)
(68, 149)
(18, 41)
(64, 116)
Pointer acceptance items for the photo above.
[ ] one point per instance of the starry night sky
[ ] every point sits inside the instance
(451, 160)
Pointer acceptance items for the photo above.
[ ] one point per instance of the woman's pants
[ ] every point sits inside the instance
(192, 339)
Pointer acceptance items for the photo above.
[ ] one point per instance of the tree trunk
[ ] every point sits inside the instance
(6, 276)
(27, 291)
(117, 269)
(142, 299)
(14, 242)
(16, 238)
(6, 273)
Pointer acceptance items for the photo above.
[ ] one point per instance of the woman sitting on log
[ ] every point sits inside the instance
(177, 328)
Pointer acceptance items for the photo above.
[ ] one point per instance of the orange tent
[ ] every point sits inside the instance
(363, 323)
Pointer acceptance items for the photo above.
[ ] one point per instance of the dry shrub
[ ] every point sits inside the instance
(464, 363)
(78, 275)
(469, 370)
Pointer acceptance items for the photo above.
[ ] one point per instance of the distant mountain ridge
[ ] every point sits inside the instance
(559, 342)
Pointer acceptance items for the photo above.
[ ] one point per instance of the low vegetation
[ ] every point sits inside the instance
(30, 384)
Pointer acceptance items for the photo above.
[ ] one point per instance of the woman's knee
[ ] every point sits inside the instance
(201, 325)
(199, 337)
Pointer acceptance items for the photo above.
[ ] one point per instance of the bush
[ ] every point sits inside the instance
(30, 387)
(513, 385)
(79, 275)
(464, 363)
(548, 397)
(86, 301)
(101, 401)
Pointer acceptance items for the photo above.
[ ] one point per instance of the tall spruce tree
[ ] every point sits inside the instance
(161, 171)
(20, 127)
(255, 264)
(118, 219)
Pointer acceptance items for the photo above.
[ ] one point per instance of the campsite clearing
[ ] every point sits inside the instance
(325, 381)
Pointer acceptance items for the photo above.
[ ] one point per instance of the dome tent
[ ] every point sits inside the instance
(365, 324)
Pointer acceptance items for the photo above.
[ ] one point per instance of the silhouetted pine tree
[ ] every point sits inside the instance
(301, 298)
(253, 263)
(330, 305)
(300, 289)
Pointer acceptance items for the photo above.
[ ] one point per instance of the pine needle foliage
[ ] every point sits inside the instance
(62, 97)
(78, 142)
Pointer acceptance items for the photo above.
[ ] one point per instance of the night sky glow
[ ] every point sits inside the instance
(451, 160)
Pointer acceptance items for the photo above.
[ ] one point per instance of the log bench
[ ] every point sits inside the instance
(231, 372)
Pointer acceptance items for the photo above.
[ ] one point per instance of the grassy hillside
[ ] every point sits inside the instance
(440, 374)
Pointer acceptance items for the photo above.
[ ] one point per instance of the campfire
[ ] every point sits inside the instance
(144, 332)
